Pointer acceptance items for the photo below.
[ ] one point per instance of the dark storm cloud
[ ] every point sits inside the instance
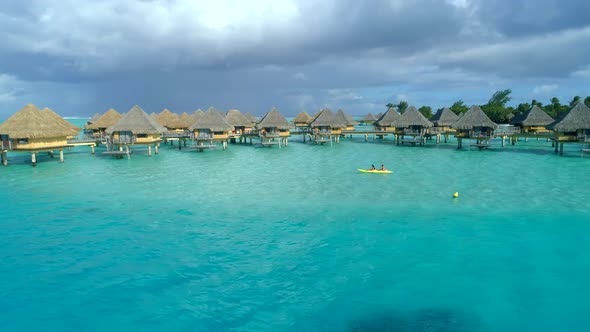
(296, 55)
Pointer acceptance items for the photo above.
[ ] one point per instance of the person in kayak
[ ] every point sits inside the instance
(383, 167)
(373, 167)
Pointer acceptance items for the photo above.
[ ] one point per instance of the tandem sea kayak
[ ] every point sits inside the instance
(377, 171)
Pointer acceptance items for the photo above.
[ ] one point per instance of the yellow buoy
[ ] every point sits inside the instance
(456, 194)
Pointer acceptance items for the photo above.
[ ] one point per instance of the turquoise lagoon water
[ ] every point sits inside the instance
(295, 239)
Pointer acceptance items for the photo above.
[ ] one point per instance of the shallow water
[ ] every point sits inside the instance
(257, 239)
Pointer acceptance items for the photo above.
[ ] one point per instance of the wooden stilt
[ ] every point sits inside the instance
(127, 151)
(149, 150)
(556, 144)
(34, 159)
(561, 149)
(4, 158)
(459, 143)
(61, 156)
(92, 149)
(224, 145)
(156, 148)
(503, 140)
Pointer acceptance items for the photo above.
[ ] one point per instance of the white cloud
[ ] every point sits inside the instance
(300, 76)
(545, 89)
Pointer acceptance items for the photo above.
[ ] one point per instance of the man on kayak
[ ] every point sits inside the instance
(383, 167)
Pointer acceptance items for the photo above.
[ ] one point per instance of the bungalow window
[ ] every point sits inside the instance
(23, 141)
(141, 135)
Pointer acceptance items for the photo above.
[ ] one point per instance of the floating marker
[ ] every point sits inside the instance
(456, 194)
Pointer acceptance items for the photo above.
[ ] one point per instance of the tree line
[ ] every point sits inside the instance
(496, 108)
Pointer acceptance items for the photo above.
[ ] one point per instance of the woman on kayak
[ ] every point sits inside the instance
(373, 167)
(383, 167)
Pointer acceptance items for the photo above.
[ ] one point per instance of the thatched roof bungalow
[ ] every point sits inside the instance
(326, 123)
(135, 127)
(211, 126)
(32, 130)
(385, 122)
(348, 121)
(274, 124)
(369, 119)
(534, 120)
(93, 119)
(412, 122)
(475, 124)
(106, 120)
(240, 123)
(301, 120)
(573, 125)
(195, 116)
(171, 121)
(251, 117)
(444, 119)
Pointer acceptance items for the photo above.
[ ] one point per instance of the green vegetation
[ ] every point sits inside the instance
(496, 108)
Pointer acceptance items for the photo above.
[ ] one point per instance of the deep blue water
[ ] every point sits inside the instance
(295, 239)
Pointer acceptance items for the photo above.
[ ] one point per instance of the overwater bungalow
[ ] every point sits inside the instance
(534, 121)
(385, 122)
(412, 123)
(106, 120)
(195, 116)
(34, 131)
(136, 127)
(475, 124)
(241, 124)
(326, 126)
(348, 121)
(172, 122)
(572, 126)
(273, 129)
(186, 119)
(209, 128)
(442, 122)
(369, 119)
(301, 121)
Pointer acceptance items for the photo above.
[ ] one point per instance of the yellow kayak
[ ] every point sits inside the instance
(378, 171)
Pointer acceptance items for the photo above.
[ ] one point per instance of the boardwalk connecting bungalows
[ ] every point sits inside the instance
(475, 124)
(34, 131)
(136, 127)
(273, 129)
(209, 128)
(412, 123)
(326, 127)
(572, 126)
(442, 122)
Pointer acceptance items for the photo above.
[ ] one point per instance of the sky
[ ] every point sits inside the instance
(82, 57)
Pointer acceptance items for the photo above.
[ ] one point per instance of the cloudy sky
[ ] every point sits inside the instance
(83, 57)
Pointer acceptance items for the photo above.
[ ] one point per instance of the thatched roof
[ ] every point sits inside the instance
(211, 120)
(138, 122)
(273, 119)
(93, 119)
(52, 116)
(348, 120)
(533, 117)
(325, 118)
(195, 116)
(576, 118)
(106, 120)
(378, 115)
(237, 119)
(388, 118)
(444, 117)
(170, 120)
(30, 122)
(474, 117)
(302, 117)
(369, 118)
(251, 117)
(412, 117)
